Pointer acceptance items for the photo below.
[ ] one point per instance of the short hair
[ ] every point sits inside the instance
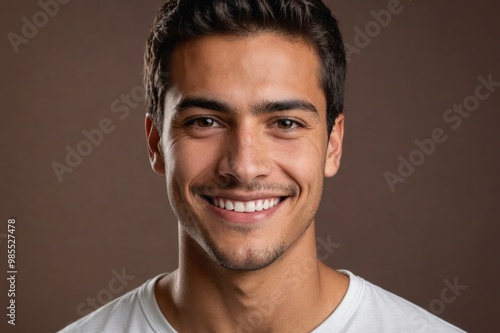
(180, 21)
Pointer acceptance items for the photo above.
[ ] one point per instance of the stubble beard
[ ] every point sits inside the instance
(250, 260)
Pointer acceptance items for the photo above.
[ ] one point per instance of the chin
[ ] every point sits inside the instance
(247, 260)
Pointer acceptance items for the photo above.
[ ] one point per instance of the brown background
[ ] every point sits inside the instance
(111, 212)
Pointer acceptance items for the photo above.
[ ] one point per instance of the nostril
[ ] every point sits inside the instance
(243, 163)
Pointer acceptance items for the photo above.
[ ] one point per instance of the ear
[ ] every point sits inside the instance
(154, 146)
(334, 150)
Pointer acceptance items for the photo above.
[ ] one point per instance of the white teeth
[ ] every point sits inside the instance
(239, 207)
(265, 205)
(248, 206)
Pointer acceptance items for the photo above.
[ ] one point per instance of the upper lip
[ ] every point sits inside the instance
(245, 196)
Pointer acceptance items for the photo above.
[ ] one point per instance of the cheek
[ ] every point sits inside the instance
(190, 160)
(187, 162)
(302, 160)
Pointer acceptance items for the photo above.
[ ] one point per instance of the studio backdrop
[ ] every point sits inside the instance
(413, 209)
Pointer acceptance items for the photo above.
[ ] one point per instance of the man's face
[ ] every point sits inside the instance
(244, 145)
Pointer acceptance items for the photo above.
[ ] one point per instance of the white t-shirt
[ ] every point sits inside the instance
(365, 308)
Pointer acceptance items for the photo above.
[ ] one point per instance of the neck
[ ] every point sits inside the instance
(203, 296)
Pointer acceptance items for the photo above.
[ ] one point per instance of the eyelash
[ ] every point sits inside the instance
(298, 124)
(192, 123)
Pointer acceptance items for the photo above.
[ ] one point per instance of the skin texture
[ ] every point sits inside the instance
(246, 120)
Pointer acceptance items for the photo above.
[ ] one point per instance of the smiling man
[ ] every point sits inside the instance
(245, 121)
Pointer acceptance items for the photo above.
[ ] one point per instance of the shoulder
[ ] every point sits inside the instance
(396, 311)
(128, 313)
(369, 308)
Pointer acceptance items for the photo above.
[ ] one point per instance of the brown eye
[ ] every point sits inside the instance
(286, 123)
(205, 122)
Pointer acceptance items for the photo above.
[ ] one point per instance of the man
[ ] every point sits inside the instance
(244, 121)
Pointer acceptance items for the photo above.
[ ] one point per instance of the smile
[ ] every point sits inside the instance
(250, 206)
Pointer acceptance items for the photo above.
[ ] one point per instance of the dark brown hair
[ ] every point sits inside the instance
(179, 21)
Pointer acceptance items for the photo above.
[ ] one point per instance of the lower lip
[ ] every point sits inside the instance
(244, 218)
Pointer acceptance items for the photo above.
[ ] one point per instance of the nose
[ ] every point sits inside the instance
(245, 155)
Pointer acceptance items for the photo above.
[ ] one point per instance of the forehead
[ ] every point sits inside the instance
(240, 69)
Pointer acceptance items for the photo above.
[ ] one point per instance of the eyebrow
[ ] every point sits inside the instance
(259, 109)
(284, 105)
(202, 103)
